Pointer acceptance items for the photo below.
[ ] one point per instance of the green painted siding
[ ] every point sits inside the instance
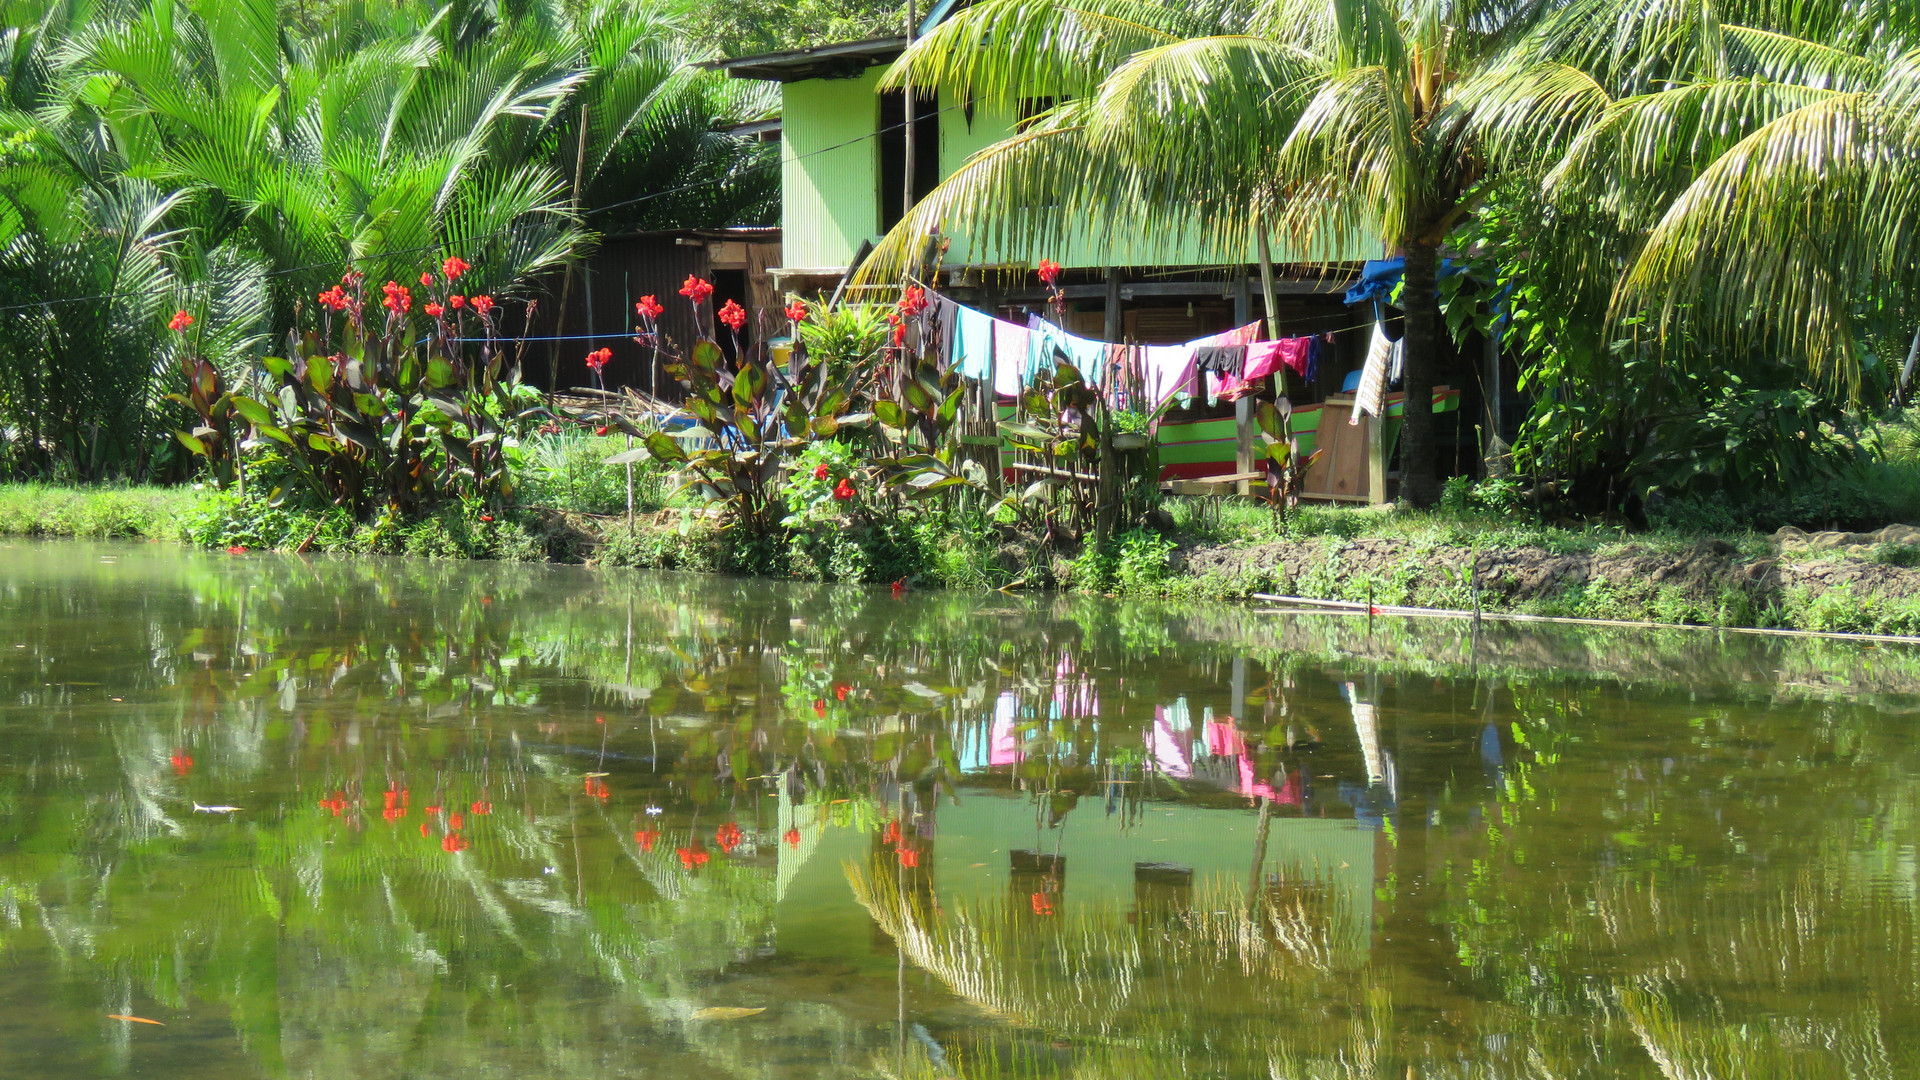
(829, 197)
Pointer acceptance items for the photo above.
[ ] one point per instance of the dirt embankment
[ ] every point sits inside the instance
(1614, 580)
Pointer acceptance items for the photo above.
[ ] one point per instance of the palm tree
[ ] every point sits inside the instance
(1329, 122)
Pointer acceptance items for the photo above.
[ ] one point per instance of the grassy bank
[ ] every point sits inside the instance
(1197, 550)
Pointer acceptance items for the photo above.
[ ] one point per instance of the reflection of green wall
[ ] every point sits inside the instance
(818, 916)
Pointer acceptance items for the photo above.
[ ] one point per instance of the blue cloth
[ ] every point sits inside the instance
(973, 343)
(1050, 343)
(1379, 277)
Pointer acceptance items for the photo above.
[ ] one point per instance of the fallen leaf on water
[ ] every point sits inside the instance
(725, 1012)
(135, 1020)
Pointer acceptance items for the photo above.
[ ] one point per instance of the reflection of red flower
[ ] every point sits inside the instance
(792, 837)
(728, 837)
(843, 490)
(236, 549)
(423, 830)
(455, 842)
(908, 857)
(336, 804)
(392, 814)
(840, 691)
(181, 762)
(820, 708)
(891, 834)
(433, 809)
(696, 289)
(646, 838)
(899, 587)
(455, 820)
(1042, 905)
(693, 857)
(733, 315)
(481, 808)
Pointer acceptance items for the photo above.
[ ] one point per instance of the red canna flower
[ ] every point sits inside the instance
(486, 517)
(820, 471)
(601, 430)
(914, 302)
(434, 311)
(454, 267)
(646, 838)
(597, 359)
(899, 334)
(1041, 904)
(180, 321)
(398, 299)
(733, 315)
(181, 762)
(334, 299)
(649, 308)
(1049, 272)
(696, 289)
(483, 305)
(797, 311)
(908, 857)
(843, 490)
(456, 301)
(792, 837)
(728, 837)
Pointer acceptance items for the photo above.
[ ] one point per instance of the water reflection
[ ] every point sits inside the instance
(330, 818)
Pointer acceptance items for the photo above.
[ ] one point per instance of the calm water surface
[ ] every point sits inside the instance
(530, 822)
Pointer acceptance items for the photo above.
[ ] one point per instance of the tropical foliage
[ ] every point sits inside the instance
(211, 157)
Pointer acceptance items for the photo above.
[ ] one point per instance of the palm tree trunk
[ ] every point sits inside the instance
(1419, 485)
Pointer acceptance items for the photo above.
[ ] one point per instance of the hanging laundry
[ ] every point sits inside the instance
(1239, 335)
(973, 343)
(1263, 359)
(1010, 348)
(1166, 370)
(1220, 359)
(1372, 395)
(1295, 354)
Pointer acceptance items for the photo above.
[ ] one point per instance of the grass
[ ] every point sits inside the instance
(96, 513)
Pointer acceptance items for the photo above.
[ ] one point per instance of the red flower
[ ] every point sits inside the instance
(649, 308)
(483, 305)
(792, 837)
(597, 359)
(696, 289)
(820, 471)
(434, 311)
(1041, 904)
(797, 311)
(481, 808)
(601, 430)
(486, 517)
(733, 315)
(426, 279)
(843, 491)
(454, 267)
(899, 587)
(908, 857)
(914, 302)
(899, 334)
(334, 298)
(728, 837)
(182, 763)
(1049, 272)
(398, 299)
(456, 301)
(180, 321)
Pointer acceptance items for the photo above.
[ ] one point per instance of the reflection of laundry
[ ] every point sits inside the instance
(1250, 786)
(1166, 741)
(1290, 790)
(1224, 738)
(1004, 749)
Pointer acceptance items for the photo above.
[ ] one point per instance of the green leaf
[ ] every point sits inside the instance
(890, 414)
(254, 412)
(278, 366)
(192, 443)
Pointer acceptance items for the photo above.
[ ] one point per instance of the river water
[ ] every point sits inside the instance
(379, 818)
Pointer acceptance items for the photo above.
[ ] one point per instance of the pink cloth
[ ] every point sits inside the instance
(1263, 359)
(1294, 353)
(1239, 335)
(1166, 369)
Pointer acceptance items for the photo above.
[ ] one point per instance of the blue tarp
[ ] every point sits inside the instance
(1379, 276)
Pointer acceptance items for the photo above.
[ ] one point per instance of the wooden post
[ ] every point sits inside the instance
(1115, 325)
(1266, 278)
(1243, 442)
(1376, 457)
(566, 287)
(906, 199)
